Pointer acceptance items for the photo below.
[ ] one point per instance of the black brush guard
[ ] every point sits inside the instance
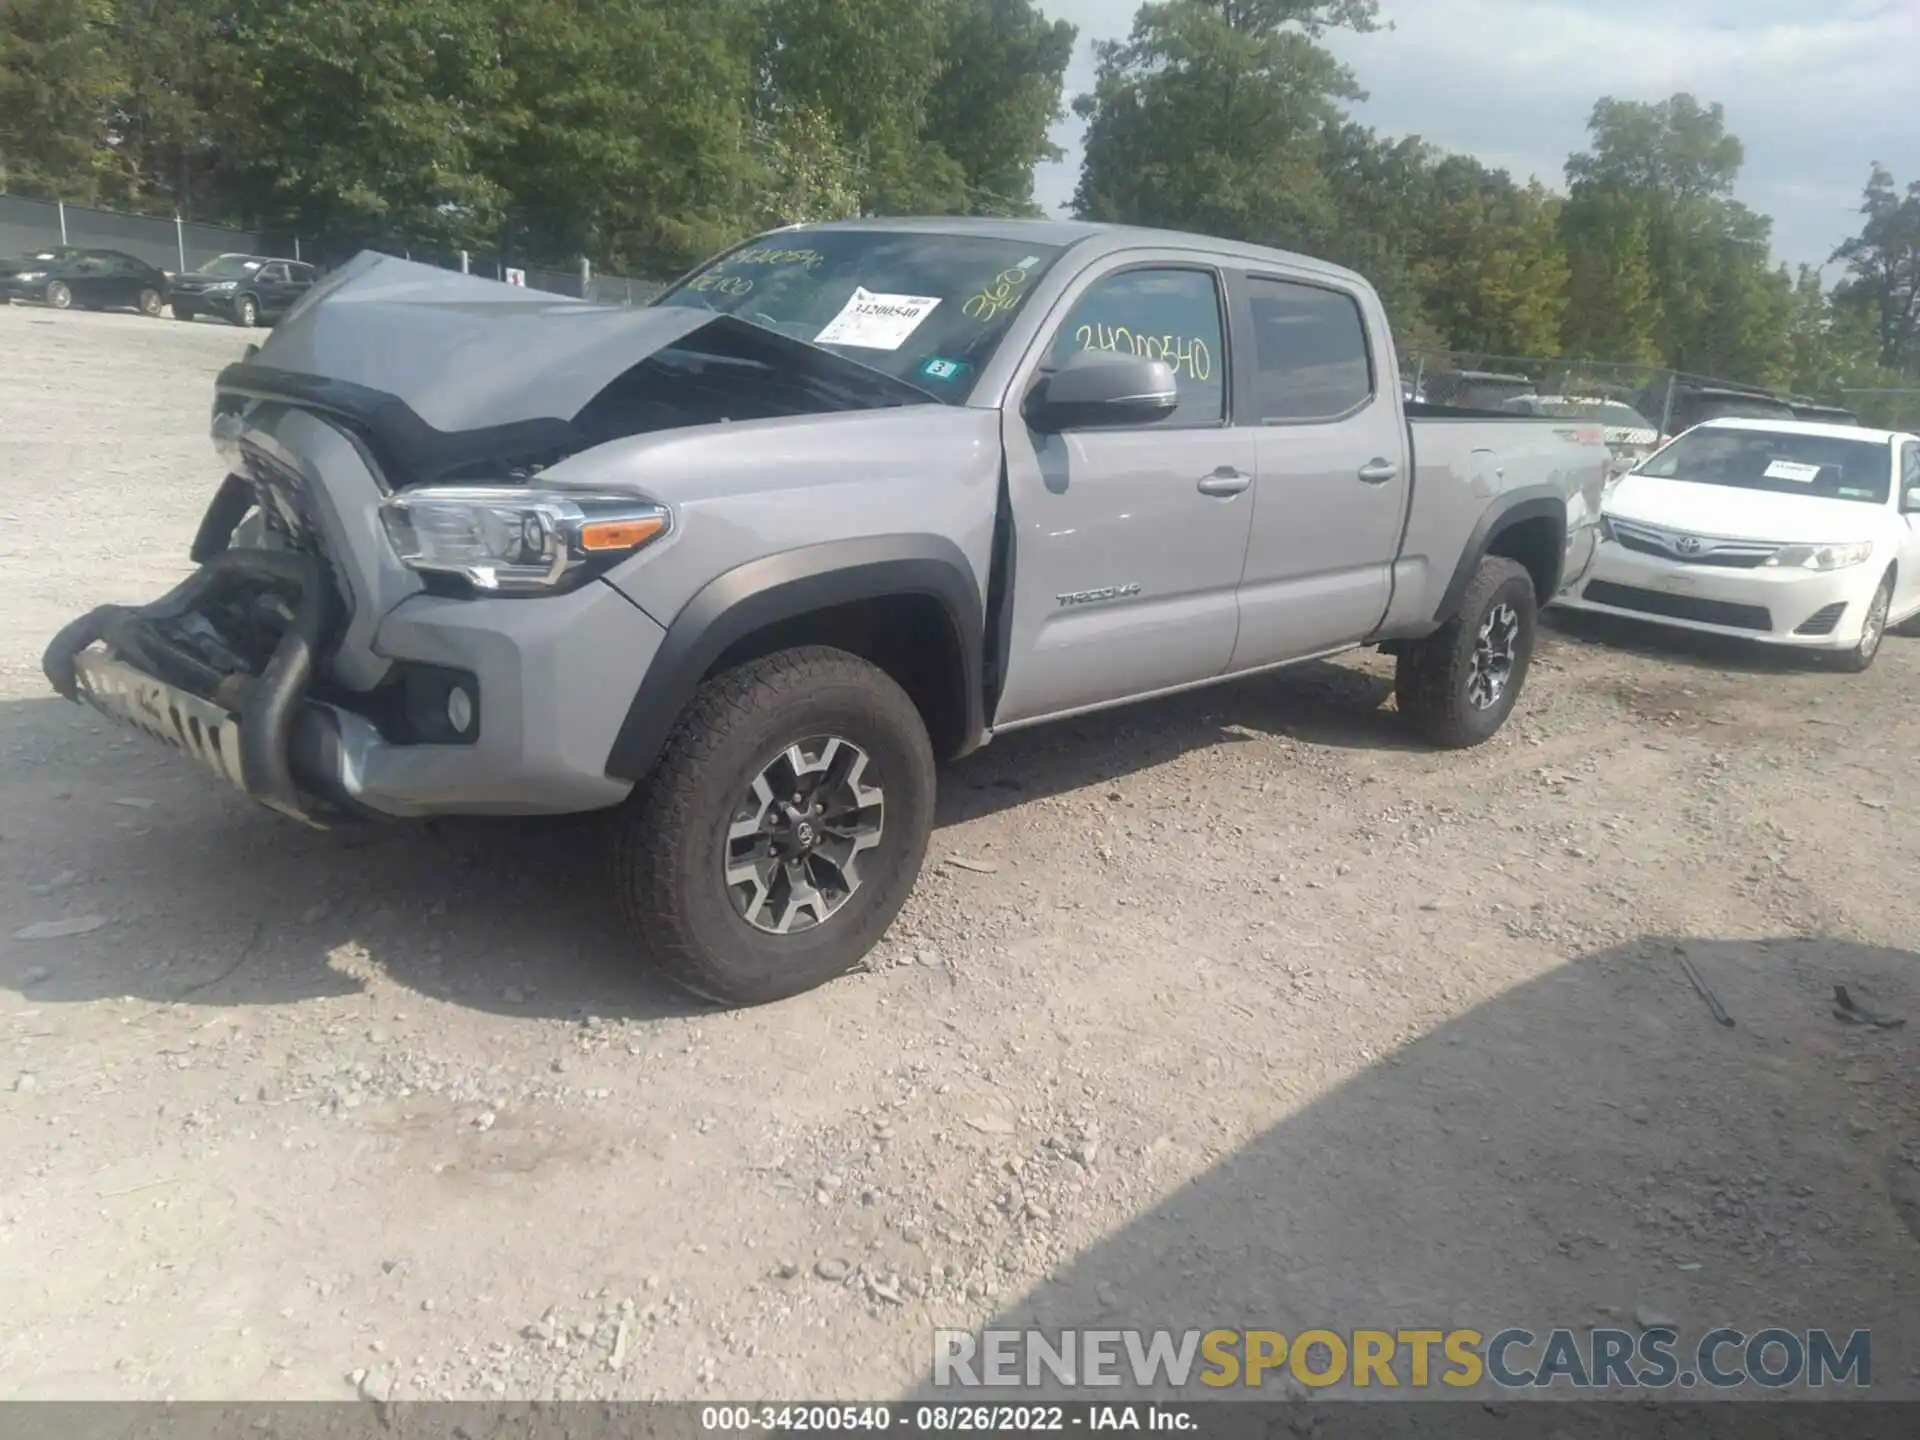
(286, 746)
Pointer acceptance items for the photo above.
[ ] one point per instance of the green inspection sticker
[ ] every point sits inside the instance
(941, 369)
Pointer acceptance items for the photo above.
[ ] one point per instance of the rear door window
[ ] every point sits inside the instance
(1310, 359)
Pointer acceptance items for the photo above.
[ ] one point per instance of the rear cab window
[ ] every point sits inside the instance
(1162, 312)
(1309, 361)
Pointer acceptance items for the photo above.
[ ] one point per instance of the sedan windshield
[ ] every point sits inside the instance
(230, 267)
(925, 308)
(1816, 465)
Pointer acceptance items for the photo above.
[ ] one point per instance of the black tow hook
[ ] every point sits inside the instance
(273, 700)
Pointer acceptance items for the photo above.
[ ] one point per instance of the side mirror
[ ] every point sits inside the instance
(1098, 388)
(1910, 502)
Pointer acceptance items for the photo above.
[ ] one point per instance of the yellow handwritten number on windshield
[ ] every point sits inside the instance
(996, 298)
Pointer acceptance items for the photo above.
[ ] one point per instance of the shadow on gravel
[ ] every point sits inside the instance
(1316, 703)
(211, 900)
(1583, 1150)
(1693, 648)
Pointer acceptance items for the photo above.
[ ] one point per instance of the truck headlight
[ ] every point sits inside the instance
(512, 541)
(1822, 557)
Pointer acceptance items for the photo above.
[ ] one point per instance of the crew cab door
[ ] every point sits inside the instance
(1330, 500)
(1126, 543)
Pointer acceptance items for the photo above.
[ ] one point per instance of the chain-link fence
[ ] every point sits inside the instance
(175, 245)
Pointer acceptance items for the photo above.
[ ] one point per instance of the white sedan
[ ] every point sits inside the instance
(1779, 531)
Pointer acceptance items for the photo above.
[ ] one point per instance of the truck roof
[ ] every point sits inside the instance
(1093, 237)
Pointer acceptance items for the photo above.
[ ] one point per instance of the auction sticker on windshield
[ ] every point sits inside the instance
(1793, 470)
(874, 321)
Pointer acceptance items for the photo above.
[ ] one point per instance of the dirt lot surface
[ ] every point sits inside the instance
(1241, 1010)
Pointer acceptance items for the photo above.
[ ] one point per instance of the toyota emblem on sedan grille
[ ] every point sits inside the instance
(1687, 545)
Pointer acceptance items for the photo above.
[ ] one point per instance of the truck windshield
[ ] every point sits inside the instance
(925, 308)
(1775, 460)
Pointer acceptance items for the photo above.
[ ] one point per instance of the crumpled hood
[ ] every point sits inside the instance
(444, 372)
(463, 352)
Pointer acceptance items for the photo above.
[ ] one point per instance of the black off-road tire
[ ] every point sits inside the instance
(670, 837)
(1432, 677)
(1860, 658)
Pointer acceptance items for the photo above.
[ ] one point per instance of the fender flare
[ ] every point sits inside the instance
(1531, 502)
(786, 586)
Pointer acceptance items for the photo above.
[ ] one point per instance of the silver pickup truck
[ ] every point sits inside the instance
(737, 568)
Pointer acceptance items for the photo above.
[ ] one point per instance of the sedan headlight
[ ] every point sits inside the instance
(31, 275)
(514, 541)
(225, 287)
(1821, 557)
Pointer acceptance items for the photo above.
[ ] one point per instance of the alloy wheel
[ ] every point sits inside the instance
(1494, 652)
(795, 840)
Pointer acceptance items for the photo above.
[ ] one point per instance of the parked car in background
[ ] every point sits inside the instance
(1630, 436)
(1696, 404)
(483, 550)
(1475, 389)
(1779, 531)
(243, 289)
(66, 276)
(1823, 414)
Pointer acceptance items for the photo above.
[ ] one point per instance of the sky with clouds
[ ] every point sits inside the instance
(1817, 89)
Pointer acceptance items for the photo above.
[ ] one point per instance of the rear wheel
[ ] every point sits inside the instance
(246, 312)
(59, 296)
(1459, 685)
(1873, 629)
(149, 302)
(782, 829)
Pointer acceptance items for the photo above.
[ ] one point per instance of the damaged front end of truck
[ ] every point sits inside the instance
(355, 639)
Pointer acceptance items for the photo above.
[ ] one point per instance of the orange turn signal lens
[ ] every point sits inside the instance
(620, 534)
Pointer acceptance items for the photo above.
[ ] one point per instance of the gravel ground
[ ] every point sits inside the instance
(1236, 1010)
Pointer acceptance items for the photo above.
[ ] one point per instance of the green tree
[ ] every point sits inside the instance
(1883, 270)
(368, 119)
(996, 96)
(1494, 272)
(1613, 310)
(1212, 115)
(1667, 169)
(618, 129)
(871, 68)
(59, 72)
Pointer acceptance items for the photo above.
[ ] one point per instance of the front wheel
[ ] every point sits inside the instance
(246, 312)
(1459, 684)
(59, 296)
(149, 302)
(782, 829)
(1873, 629)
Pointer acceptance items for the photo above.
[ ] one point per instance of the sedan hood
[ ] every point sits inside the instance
(1736, 514)
(444, 371)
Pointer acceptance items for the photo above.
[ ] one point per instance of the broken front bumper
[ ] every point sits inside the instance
(260, 734)
(550, 681)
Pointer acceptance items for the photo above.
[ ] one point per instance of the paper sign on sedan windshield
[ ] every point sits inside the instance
(874, 321)
(1793, 470)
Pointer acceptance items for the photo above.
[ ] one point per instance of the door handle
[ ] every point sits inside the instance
(1225, 482)
(1378, 472)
